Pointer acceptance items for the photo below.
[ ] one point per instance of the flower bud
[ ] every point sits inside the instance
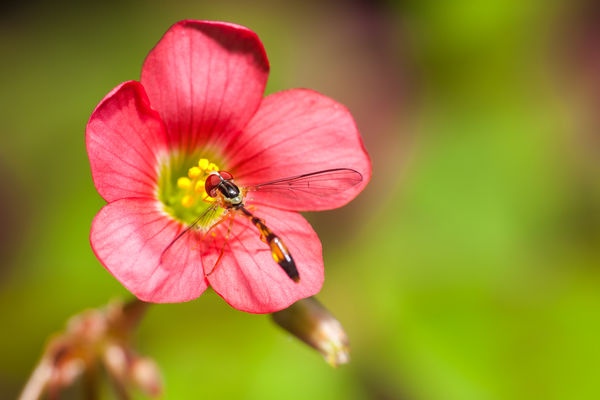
(146, 375)
(66, 373)
(115, 361)
(89, 326)
(94, 338)
(312, 323)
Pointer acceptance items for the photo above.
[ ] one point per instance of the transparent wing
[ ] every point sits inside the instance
(313, 184)
(206, 216)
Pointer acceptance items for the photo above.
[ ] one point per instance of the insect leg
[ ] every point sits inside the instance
(222, 251)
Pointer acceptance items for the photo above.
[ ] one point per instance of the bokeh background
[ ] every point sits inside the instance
(468, 268)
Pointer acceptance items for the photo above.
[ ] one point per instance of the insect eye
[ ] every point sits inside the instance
(211, 184)
(226, 175)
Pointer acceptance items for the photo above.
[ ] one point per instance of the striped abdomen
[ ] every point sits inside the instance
(279, 251)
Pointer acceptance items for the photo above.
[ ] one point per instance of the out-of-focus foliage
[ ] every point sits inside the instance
(468, 269)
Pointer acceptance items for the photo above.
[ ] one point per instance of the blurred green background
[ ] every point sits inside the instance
(469, 267)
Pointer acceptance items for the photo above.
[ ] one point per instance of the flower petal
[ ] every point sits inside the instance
(247, 277)
(296, 132)
(124, 139)
(129, 237)
(206, 79)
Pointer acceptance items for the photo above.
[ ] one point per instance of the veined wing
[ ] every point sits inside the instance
(320, 184)
(206, 216)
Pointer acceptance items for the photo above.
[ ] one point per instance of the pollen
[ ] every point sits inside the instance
(191, 192)
(203, 164)
(194, 172)
(187, 200)
(184, 182)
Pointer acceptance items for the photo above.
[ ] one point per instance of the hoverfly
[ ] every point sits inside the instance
(229, 196)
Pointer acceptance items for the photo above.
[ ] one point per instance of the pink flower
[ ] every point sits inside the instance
(199, 108)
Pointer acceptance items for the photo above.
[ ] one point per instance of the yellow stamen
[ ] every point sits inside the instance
(191, 193)
(187, 200)
(199, 188)
(203, 163)
(194, 172)
(184, 182)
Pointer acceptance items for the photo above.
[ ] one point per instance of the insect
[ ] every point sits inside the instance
(229, 196)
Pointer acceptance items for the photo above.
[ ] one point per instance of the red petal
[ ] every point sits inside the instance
(248, 278)
(296, 132)
(129, 237)
(124, 139)
(206, 79)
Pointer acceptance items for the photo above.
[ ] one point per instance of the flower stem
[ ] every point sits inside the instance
(90, 382)
(93, 340)
(38, 381)
(135, 311)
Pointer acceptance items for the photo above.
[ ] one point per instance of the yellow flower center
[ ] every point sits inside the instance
(192, 186)
(185, 198)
